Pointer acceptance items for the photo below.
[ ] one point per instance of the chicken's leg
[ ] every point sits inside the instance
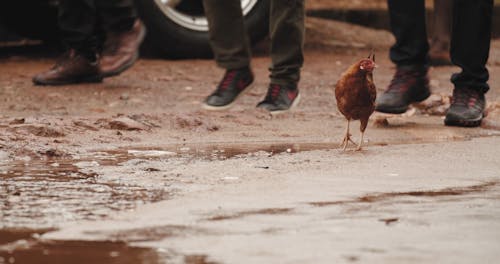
(360, 141)
(362, 128)
(347, 137)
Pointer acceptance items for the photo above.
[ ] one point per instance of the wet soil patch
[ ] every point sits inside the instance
(372, 198)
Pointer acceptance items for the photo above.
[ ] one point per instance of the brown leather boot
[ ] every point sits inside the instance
(71, 68)
(121, 50)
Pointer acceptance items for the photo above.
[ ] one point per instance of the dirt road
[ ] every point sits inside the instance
(137, 162)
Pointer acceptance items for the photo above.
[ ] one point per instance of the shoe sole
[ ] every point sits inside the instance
(228, 106)
(294, 104)
(463, 123)
(403, 109)
(91, 79)
(129, 63)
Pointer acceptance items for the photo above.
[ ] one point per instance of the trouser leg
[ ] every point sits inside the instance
(77, 22)
(470, 42)
(408, 26)
(227, 34)
(116, 15)
(286, 31)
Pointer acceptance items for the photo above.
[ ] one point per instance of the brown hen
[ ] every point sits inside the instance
(355, 93)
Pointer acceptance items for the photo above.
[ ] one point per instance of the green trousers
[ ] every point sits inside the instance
(230, 42)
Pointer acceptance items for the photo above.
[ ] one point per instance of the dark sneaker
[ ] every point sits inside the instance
(229, 89)
(71, 68)
(280, 99)
(467, 107)
(410, 84)
(121, 50)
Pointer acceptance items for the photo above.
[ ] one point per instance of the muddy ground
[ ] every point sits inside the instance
(134, 171)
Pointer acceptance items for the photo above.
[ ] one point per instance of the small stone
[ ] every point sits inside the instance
(124, 96)
(125, 123)
(17, 121)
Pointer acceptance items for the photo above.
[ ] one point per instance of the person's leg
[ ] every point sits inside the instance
(124, 33)
(231, 49)
(407, 20)
(116, 15)
(286, 31)
(410, 83)
(439, 53)
(77, 22)
(470, 46)
(227, 33)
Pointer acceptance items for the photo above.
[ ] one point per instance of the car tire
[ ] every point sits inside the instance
(170, 39)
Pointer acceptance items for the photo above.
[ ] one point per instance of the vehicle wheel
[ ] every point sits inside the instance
(182, 32)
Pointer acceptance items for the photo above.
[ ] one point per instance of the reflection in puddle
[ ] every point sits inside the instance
(81, 252)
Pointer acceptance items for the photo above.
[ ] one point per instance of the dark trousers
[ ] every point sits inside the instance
(470, 40)
(82, 22)
(230, 42)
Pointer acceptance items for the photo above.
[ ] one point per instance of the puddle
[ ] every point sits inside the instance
(11, 235)
(25, 246)
(81, 252)
(48, 192)
(45, 192)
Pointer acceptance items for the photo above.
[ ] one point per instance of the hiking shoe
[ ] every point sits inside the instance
(229, 89)
(280, 98)
(467, 108)
(121, 50)
(72, 67)
(410, 84)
